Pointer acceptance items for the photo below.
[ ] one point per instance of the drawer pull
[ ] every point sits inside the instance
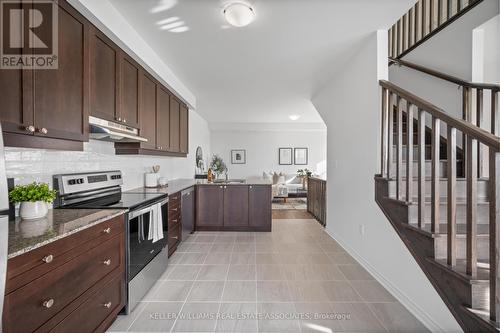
(174, 209)
(48, 303)
(107, 231)
(152, 251)
(43, 130)
(107, 305)
(48, 259)
(30, 129)
(176, 237)
(175, 221)
(107, 262)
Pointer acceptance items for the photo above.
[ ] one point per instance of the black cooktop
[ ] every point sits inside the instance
(122, 200)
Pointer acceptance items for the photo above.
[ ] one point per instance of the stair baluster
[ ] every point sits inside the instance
(435, 158)
(452, 196)
(409, 152)
(494, 234)
(421, 168)
(471, 215)
(399, 148)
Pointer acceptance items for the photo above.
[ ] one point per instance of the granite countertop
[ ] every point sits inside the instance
(182, 184)
(27, 235)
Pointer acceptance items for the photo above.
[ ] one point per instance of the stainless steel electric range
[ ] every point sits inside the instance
(146, 258)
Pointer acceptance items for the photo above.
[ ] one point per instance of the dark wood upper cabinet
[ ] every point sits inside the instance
(129, 92)
(209, 206)
(259, 207)
(184, 129)
(148, 110)
(174, 125)
(236, 206)
(104, 76)
(60, 96)
(163, 118)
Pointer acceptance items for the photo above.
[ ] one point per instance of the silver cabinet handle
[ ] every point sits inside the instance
(48, 259)
(176, 237)
(119, 118)
(220, 186)
(107, 305)
(152, 251)
(107, 262)
(107, 231)
(174, 209)
(30, 128)
(48, 303)
(174, 220)
(43, 130)
(225, 186)
(250, 187)
(124, 120)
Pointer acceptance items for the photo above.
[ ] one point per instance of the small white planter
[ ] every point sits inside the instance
(33, 210)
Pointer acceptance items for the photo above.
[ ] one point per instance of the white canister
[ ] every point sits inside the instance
(151, 179)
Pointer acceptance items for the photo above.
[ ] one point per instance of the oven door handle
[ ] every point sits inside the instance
(134, 214)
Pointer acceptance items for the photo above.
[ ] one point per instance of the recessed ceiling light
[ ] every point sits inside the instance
(294, 116)
(239, 14)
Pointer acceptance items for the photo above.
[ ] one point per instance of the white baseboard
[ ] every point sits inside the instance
(407, 302)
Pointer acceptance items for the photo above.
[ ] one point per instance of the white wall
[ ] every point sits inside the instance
(350, 107)
(262, 149)
(27, 165)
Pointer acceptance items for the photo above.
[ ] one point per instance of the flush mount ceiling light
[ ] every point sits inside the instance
(294, 117)
(239, 14)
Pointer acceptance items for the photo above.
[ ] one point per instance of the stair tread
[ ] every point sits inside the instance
(482, 229)
(484, 315)
(483, 270)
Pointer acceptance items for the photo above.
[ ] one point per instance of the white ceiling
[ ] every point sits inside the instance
(268, 70)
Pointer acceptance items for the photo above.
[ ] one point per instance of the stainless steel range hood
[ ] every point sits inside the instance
(105, 130)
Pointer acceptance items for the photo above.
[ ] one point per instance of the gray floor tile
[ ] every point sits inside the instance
(241, 272)
(238, 258)
(240, 291)
(360, 318)
(170, 291)
(213, 272)
(206, 291)
(197, 317)
(237, 317)
(214, 258)
(184, 272)
(270, 272)
(189, 258)
(273, 291)
(157, 317)
(339, 291)
(277, 317)
(372, 291)
(355, 272)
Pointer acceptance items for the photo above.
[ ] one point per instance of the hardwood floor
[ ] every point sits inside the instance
(291, 214)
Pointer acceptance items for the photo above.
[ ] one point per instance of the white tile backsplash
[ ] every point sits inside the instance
(27, 165)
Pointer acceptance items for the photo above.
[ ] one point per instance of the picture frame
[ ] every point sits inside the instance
(300, 156)
(238, 156)
(285, 156)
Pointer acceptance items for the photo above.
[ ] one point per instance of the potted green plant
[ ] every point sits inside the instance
(218, 166)
(304, 174)
(33, 198)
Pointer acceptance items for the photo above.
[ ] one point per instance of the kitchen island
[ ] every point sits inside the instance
(225, 205)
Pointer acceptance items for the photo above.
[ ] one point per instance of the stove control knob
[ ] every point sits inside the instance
(72, 181)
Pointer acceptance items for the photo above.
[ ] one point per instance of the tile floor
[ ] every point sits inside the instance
(295, 279)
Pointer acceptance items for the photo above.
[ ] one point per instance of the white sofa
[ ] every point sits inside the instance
(284, 184)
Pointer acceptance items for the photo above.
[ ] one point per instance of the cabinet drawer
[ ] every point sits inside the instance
(90, 316)
(174, 199)
(30, 306)
(30, 266)
(174, 209)
(174, 237)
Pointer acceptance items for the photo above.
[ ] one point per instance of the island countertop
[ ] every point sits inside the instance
(181, 184)
(27, 235)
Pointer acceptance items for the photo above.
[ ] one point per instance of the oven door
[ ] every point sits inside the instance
(141, 250)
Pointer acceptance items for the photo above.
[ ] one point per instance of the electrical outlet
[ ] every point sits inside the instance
(362, 229)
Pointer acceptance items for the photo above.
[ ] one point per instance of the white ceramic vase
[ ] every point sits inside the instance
(33, 210)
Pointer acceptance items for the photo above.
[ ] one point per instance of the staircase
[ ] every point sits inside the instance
(443, 208)
(439, 184)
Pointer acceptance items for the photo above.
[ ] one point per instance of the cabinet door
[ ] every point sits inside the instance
(163, 118)
(184, 129)
(129, 92)
(236, 206)
(209, 206)
(103, 76)
(259, 203)
(148, 110)
(61, 96)
(174, 125)
(16, 87)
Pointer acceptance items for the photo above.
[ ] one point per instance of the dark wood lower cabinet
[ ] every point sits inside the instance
(233, 207)
(260, 207)
(209, 207)
(236, 206)
(174, 222)
(68, 292)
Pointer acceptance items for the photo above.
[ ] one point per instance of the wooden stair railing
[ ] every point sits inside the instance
(396, 103)
(424, 20)
(473, 95)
